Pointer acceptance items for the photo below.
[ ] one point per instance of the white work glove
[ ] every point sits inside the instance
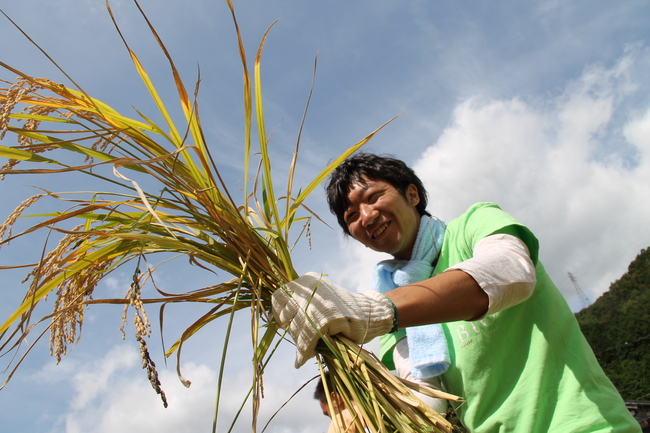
(332, 309)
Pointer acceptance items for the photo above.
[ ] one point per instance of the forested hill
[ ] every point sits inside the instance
(617, 326)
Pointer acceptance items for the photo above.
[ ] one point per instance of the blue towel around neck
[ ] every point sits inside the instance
(428, 352)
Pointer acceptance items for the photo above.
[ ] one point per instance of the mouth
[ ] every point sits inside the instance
(380, 230)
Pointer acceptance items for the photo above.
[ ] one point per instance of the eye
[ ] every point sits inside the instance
(351, 217)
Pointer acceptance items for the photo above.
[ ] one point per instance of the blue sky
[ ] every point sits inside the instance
(541, 106)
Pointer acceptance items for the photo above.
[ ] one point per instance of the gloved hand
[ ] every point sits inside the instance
(332, 309)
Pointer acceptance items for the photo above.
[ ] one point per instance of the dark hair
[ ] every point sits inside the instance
(319, 392)
(375, 167)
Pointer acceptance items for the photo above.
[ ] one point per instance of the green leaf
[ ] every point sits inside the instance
(23, 155)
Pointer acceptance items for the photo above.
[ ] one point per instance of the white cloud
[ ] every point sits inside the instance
(88, 384)
(573, 167)
(637, 132)
(108, 399)
(540, 161)
(113, 394)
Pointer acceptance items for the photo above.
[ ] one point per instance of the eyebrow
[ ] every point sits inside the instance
(364, 186)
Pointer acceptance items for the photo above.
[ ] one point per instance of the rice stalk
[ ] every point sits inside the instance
(190, 214)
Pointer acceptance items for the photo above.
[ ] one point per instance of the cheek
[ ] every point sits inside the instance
(325, 408)
(362, 238)
(355, 231)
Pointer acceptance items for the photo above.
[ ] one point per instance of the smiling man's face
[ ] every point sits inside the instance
(383, 219)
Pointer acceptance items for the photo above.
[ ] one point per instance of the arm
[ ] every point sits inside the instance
(447, 297)
(501, 274)
(493, 279)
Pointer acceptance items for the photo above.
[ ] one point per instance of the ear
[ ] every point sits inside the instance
(337, 400)
(412, 195)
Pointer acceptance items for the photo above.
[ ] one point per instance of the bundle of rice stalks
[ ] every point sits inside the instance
(193, 216)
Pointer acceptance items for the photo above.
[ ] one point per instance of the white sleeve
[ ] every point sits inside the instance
(403, 370)
(502, 267)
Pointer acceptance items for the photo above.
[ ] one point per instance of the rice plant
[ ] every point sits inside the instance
(194, 215)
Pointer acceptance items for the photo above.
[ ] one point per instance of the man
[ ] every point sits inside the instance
(342, 414)
(481, 314)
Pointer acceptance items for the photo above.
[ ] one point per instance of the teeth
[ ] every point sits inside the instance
(380, 231)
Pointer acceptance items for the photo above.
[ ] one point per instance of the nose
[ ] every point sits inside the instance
(368, 214)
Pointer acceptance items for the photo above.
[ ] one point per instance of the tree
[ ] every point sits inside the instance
(617, 327)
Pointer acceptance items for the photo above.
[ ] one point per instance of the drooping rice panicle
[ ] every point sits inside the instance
(7, 226)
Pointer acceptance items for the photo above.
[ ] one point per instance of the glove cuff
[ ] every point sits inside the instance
(395, 320)
(382, 314)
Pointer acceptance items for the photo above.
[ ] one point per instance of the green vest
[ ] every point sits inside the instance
(527, 368)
